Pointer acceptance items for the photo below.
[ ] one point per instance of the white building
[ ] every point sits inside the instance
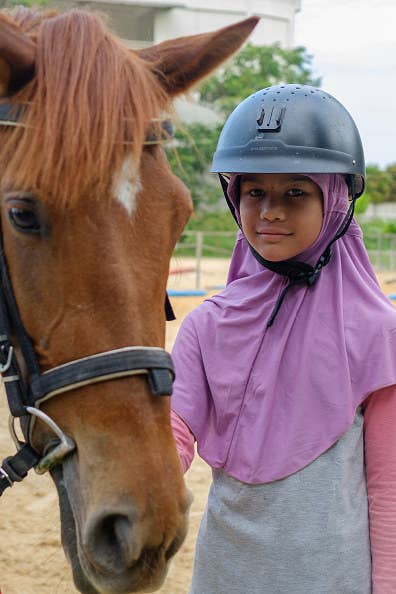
(143, 22)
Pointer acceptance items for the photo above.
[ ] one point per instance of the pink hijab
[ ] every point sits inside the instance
(263, 402)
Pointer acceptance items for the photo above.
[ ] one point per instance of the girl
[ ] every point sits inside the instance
(287, 379)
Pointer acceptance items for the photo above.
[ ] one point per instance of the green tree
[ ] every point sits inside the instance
(190, 158)
(391, 169)
(362, 204)
(378, 184)
(253, 68)
(12, 3)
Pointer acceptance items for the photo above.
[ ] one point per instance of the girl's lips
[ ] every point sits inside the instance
(273, 231)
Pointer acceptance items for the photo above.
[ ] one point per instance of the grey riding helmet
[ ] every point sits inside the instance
(291, 129)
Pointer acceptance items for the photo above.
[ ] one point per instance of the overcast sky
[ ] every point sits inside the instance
(354, 47)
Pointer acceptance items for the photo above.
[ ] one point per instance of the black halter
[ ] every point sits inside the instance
(25, 396)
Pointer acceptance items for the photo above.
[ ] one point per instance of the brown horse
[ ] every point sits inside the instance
(90, 214)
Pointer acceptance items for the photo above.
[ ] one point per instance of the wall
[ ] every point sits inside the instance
(177, 22)
(151, 21)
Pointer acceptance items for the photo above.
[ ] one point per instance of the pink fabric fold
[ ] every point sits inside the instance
(184, 441)
(265, 402)
(380, 454)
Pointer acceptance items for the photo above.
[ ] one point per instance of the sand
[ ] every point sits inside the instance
(31, 556)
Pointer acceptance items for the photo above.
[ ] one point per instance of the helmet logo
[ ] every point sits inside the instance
(270, 118)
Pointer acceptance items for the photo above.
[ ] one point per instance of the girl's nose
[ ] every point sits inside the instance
(272, 210)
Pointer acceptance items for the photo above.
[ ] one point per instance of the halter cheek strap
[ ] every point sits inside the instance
(25, 397)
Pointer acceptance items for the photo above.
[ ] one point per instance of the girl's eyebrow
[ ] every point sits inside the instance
(300, 178)
(249, 177)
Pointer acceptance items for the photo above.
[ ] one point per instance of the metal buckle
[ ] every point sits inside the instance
(5, 367)
(11, 426)
(59, 452)
(3, 474)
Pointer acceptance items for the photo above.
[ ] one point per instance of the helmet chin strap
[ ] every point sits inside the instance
(297, 272)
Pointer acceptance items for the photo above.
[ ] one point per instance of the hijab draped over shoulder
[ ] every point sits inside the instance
(263, 402)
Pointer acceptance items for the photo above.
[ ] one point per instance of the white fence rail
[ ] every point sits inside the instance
(382, 251)
(385, 211)
(201, 252)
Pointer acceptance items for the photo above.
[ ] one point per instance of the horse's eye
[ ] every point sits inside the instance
(26, 213)
(25, 219)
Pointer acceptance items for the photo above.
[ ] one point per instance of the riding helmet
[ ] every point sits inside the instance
(291, 129)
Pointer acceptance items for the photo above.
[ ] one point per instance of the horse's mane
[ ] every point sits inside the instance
(89, 105)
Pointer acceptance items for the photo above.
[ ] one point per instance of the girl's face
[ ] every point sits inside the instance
(281, 213)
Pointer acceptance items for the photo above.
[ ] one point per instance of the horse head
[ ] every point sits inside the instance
(90, 214)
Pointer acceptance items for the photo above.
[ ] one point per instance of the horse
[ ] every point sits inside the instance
(90, 214)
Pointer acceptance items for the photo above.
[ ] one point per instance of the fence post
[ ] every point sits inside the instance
(379, 250)
(198, 258)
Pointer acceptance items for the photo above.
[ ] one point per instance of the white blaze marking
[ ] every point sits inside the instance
(128, 185)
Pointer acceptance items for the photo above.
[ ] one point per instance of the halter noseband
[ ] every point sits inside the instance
(26, 396)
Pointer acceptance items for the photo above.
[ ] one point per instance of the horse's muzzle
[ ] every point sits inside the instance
(116, 559)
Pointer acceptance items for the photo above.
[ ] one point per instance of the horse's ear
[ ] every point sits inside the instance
(180, 63)
(17, 56)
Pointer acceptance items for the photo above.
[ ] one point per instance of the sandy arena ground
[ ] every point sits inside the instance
(31, 556)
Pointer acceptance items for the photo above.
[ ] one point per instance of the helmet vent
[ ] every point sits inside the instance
(287, 92)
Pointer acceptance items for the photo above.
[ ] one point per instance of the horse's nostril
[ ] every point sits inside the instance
(175, 544)
(116, 535)
(111, 543)
(174, 547)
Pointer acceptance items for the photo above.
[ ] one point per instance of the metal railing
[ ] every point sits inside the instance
(197, 246)
(382, 251)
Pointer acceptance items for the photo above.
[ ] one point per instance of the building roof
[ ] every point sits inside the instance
(142, 3)
(230, 6)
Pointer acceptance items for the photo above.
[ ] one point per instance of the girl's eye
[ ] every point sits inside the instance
(256, 193)
(24, 219)
(295, 193)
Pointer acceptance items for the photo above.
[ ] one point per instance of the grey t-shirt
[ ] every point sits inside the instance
(305, 534)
